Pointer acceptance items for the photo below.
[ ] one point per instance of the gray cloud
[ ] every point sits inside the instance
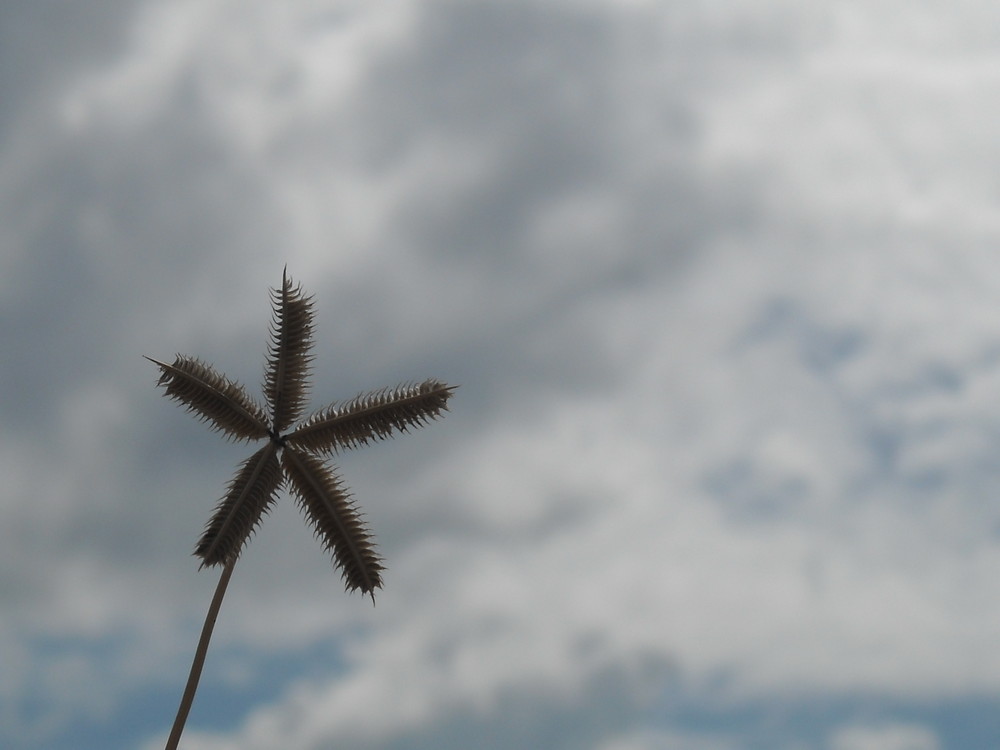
(718, 290)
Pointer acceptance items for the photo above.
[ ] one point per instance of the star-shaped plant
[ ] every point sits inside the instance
(294, 453)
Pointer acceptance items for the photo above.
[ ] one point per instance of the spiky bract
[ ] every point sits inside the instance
(371, 416)
(250, 495)
(286, 375)
(335, 519)
(213, 397)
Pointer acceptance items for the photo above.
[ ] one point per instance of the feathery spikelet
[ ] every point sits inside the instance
(372, 416)
(213, 397)
(286, 375)
(335, 519)
(251, 493)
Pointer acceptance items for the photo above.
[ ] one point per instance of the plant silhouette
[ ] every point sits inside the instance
(294, 455)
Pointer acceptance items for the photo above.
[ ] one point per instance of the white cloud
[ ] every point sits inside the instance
(723, 309)
(668, 741)
(885, 737)
(830, 593)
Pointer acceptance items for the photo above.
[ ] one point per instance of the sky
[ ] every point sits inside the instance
(719, 282)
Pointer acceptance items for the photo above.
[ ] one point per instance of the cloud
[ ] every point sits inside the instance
(886, 737)
(718, 289)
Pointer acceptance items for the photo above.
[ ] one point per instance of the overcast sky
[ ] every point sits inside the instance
(720, 283)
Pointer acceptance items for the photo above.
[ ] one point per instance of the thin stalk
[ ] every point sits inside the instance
(199, 657)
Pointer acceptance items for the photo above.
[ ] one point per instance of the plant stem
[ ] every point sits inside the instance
(199, 657)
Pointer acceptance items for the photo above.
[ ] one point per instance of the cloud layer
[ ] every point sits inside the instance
(717, 282)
